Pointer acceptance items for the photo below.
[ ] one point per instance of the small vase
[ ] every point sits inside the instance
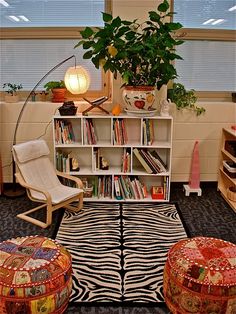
(139, 98)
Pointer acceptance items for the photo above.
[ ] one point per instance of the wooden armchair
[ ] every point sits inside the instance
(38, 175)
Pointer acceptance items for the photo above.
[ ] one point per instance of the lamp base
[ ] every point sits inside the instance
(13, 191)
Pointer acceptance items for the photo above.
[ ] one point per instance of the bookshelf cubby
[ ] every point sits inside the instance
(105, 149)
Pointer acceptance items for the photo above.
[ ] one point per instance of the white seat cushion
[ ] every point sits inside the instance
(58, 194)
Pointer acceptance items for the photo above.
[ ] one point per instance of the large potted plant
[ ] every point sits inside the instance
(142, 53)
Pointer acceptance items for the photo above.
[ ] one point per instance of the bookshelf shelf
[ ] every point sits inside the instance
(227, 177)
(102, 151)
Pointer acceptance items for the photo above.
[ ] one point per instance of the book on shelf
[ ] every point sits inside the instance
(64, 133)
(145, 154)
(126, 160)
(150, 160)
(143, 162)
(148, 132)
(119, 132)
(66, 163)
(117, 191)
(90, 136)
(129, 188)
(156, 157)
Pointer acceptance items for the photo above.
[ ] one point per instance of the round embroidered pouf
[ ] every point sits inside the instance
(200, 277)
(35, 276)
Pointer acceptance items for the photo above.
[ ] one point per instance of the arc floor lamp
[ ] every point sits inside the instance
(77, 81)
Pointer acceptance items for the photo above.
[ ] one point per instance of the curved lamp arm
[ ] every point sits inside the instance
(14, 192)
(34, 88)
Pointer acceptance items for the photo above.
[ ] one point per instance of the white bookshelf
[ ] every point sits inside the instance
(162, 129)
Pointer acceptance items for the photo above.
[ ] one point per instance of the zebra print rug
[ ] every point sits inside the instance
(119, 250)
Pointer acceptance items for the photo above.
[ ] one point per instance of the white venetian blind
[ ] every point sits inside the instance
(48, 13)
(27, 61)
(207, 65)
(208, 14)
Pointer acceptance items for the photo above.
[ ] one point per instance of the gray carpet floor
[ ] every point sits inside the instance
(208, 215)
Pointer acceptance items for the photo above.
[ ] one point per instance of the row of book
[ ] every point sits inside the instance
(64, 133)
(102, 187)
(119, 132)
(150, 160)
(90, 136)
(129, 188)
(148, 132)
(66, 163)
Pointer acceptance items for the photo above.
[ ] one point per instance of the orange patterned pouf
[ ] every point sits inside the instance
(35, 276)
(200, 277)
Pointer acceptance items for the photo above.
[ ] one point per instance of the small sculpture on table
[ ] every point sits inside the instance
(104, 164)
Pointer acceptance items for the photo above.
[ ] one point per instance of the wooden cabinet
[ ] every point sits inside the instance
(102, 150)
(227, 174)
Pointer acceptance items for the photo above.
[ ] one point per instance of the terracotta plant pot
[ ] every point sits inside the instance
(138, 98)
(11, 98)
(58, 94)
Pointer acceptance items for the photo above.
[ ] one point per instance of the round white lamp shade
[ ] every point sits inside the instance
(77, 80)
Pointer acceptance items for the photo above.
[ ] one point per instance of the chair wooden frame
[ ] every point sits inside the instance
(50, 208)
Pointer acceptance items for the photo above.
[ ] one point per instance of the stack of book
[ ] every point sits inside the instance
(119, 132)
(129, 188)
(90, 136)
(150, 160)
(64, 133)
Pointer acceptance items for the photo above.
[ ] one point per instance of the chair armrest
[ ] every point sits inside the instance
(69, 177)
(32, 187)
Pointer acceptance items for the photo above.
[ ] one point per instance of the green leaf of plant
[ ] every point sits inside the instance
(106, 17)
(116, 22)
(81, 42)
(88, 54)
(174, 26)
(164, 6)
(87, 44)
(87, 32)
(154, 16)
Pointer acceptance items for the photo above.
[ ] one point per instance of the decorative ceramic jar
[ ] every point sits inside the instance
(35, 276)
(200, 277)
(139, 98)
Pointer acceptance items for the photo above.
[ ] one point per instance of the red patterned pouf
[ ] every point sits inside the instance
(35, 276)
(200, 277)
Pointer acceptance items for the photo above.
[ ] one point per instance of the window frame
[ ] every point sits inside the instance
(208, 35)
(58, 33)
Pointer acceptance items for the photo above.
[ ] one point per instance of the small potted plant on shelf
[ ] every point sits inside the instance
(12, 92)
(142, 53)
(184, 99)
(58, 90)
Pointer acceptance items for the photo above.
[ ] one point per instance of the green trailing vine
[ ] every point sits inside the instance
(184, 99)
